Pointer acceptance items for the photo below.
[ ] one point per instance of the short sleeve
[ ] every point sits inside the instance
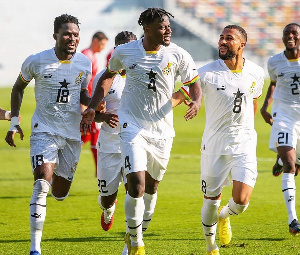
(260, 84)
(114, 64)
(271, 70)
(187, 69)
(27, 69)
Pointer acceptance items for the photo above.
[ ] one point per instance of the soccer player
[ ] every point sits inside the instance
(230, 86)
(145, 114)
(284, 71)
(109, 166)
(278, 166)
(61, 78)
(98, 43)
(4, 115)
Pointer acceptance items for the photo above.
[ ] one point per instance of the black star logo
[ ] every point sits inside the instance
(64, 83)
(238, 94)
(295, 78)
(151, 74)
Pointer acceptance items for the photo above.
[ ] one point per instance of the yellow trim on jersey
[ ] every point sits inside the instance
(151, 52)
(236, 71)
(293, 60)
(65, 61)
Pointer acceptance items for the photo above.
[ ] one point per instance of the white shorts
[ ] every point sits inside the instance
(216, 171)
(47, 148)
(109, 172)
(140, 153)
(285, 134)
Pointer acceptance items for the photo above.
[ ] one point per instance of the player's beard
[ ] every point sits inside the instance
(292, 49)
(229, 55)
(68, 52)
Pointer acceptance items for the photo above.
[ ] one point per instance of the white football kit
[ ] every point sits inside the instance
(145, 111)
(109, 164)
(229, 139)
(58, 85)
(285, 130)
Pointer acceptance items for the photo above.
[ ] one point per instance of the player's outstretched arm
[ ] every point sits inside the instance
(16, 101)
(268, 101)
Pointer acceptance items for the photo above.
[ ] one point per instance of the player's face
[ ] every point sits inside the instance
(291, 37)
(160, 31)
(67, 39)
(229, 44)
(101, 44)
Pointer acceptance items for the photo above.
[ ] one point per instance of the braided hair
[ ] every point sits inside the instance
(62, 19)
(149, 15)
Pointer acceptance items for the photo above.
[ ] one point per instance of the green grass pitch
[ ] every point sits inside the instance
(73, 226)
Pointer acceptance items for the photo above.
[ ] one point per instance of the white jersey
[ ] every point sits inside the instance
(286, 73)
(150, 78)
(228, 98)
(57, 92)
(108, 139)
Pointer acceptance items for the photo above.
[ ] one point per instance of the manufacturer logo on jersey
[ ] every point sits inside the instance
(252, 87)
(223, 87)
(133, 66)
(111, 91)
(79, 78)
(167, 69)
(47, 75)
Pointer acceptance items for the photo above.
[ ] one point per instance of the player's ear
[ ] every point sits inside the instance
(54, 36)
(243, 44)
(146, 29)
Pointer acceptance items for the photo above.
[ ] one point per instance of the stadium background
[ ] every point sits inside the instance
(26, 27)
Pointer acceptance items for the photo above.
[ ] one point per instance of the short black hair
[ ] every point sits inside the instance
(100, 36)
(291, 24)
(62, 19)
(240, 29)
(124, 37)
(148, 16)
